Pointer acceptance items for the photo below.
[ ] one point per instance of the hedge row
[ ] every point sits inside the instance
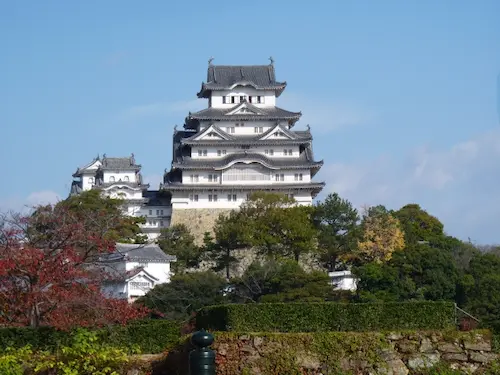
(311, 317)
(149, 336)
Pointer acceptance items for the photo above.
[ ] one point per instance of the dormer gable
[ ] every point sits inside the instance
(278, 132)
(211, 132)
(247, 109)
(89, 169)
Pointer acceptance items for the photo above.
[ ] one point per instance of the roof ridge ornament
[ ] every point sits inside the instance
(210, 60)
(271, 60)
(308, 127)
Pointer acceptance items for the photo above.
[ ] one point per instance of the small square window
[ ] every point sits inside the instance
(223, 152)
(204, 152)
(219, 152)
(200, 153)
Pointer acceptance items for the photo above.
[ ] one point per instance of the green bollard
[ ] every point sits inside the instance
(202, 359)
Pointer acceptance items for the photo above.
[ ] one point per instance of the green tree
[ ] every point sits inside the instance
(231, 232)
(337, 222)
(278, 227)
(420, 272)
(281, 281)
(185, 294)
(177, 240)
(418, 225)
(482, 289)
(105, 216)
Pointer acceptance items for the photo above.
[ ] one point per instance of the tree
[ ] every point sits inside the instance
(482, 289)
(418, 225)
(185, 294)
(420, 272)
(177, 240)
(231, 232)
(50, 272)
(337, 222)
(381, 237)
(281, 281)
(105, 216)
(278, 226)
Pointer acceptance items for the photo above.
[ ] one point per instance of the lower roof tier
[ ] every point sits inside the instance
(314, 187)
(303, 162)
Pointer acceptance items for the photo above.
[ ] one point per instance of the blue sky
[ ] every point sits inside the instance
(402, 96)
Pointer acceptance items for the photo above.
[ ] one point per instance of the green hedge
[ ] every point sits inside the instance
(149, 336)
(311, 317)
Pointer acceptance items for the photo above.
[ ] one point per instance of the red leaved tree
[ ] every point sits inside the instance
(50, 271)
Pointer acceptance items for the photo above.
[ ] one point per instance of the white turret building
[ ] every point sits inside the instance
(243, 142)
(121, 178)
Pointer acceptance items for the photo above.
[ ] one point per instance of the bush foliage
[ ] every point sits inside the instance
(148, 336)
(311, 317)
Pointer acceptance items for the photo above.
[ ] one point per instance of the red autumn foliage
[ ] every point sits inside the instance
(50, 272)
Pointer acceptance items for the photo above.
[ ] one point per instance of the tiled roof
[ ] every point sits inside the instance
(86, 168)
(223, 114)
(134, 272)
(137, 253)
(304, 161)
(157, 198)
(252, 139)
(127, 163)
(119, 184)
(314, 187)
(226, 77)
(75, 188)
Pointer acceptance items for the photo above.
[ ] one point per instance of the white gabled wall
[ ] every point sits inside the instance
(217, 102)
(219, 152)
(249, 174)
(159, 270)
(119, 176)
(201, 199)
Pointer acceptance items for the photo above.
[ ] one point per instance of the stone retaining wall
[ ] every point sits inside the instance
(197, 220)
(352, 353)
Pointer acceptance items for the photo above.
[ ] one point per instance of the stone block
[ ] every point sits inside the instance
(393, 367)
(462, 357)
(308, 361)
(448, 347)
(482, 357)
(407, 346)
(426, 346)
(426, 360)
(480, 345)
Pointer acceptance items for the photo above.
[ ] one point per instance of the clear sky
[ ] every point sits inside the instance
(402, 96)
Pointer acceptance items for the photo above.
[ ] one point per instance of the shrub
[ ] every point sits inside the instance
(147, 336)
(310, 317)
(85, 355)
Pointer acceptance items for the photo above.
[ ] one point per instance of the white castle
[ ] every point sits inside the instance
(240, 144)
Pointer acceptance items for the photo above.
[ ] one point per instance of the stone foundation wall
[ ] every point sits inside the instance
(199, 220)
(399, 353)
